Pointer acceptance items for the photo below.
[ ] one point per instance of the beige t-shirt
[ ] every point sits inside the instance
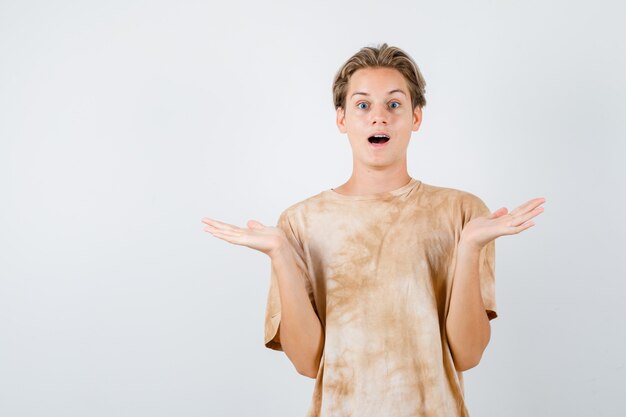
(378, 269)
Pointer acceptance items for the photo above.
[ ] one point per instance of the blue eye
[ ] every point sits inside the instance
(359, 105)
(398, 104)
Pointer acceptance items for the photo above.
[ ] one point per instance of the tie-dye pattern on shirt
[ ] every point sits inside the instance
(378, 269)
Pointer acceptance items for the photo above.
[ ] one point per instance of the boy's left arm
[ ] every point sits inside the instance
(467, 324)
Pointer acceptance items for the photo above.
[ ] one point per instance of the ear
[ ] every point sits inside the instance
(417, 118)
(341, 119)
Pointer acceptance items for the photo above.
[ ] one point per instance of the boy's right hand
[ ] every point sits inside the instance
(267, 239)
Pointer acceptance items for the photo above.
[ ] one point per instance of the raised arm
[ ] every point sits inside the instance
(301, 333)
(467, 326)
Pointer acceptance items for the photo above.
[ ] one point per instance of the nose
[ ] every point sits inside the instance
(379, 115)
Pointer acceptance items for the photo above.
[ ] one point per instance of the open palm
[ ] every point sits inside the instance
(266, 239)
(481, 230)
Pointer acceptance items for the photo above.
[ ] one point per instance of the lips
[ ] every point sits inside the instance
(379, 137)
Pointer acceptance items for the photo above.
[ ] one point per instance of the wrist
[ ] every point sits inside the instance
(468, 247)
(280, 250)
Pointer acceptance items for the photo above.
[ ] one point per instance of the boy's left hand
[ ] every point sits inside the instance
(481, 230)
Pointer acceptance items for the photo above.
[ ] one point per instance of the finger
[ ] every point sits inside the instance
(228, 236)
(211, 229)
(220, 225)
(513, 230)
(215, 232)
(498, 213)
(522, 218)
(231, 233)
(523, 227)
(253, 224)
(225, 232)
(527, 206)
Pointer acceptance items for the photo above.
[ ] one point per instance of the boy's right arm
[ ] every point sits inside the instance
(301, 333)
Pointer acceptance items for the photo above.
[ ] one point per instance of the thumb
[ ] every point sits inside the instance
(500, 212)
(253, 224)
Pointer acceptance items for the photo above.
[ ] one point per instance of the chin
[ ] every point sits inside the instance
(377, 164)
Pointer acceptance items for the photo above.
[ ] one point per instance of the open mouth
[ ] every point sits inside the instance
(378, 139)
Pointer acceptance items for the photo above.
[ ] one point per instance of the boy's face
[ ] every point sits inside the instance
(378, 101)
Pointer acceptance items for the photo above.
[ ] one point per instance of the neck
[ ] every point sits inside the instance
(371, 181)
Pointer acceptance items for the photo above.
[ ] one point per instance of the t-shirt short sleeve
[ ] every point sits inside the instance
(475, 207)
(272, 315)
(273, 306)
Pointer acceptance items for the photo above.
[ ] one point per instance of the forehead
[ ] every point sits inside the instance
(376, 81)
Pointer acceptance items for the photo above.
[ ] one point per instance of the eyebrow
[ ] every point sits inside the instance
(397, 90)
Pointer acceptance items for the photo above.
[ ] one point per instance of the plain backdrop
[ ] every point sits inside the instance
(123, 123)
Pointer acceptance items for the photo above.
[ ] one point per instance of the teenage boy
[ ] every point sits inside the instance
(383, 288)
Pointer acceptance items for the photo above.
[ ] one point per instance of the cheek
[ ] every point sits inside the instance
(352, 118)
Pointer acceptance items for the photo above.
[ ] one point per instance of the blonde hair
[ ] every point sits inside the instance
(383, 56)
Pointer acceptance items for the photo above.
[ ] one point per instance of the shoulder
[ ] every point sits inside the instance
(460, 202)
(297, 215)
(452, 194)
(301, 208)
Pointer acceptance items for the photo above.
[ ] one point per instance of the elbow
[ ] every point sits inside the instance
(310, 369)
(470, 361)
(464, 364)
(308, 372)
(472, 358)
(311, 366)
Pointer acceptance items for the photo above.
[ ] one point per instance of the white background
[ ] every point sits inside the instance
(123, 123)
